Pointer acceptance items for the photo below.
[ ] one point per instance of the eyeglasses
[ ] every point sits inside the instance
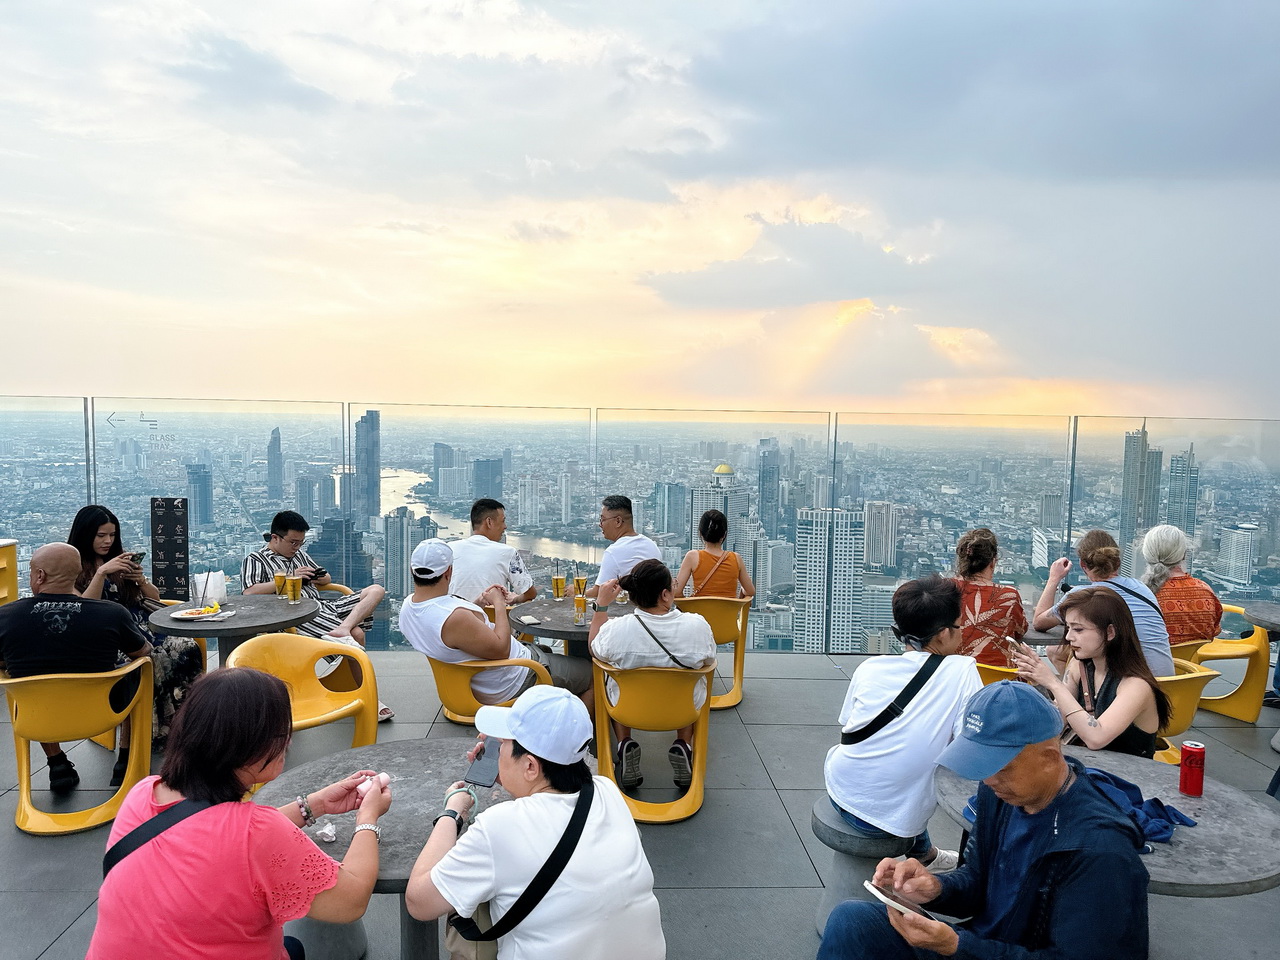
(292, 543)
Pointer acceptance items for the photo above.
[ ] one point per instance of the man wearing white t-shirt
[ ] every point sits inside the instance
(482, 559)
(626, 547)
(601, 907)
(882, 786)
(452, 630)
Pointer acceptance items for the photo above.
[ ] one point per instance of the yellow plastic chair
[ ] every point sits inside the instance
(1183, 690)
(993, 674)
(1187, 650)
(453, 684)
(655, 698)
(1245, 701)
(62, 707)
(293, 658)
(8, 571)
(728, 618)
(341, 589)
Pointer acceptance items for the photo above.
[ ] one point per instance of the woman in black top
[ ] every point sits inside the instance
(1108, 696)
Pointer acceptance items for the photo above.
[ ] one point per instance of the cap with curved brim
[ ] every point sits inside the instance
(971, 760)
(495, 722)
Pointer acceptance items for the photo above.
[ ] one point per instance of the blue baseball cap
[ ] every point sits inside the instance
(999, 720)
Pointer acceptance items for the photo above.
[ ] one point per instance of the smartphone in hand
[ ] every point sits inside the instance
(137, 557)
(891, 898)
(483, 771)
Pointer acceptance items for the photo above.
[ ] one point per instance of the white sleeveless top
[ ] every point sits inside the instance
(421, 624)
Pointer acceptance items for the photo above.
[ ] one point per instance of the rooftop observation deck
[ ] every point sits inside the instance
(740, 879)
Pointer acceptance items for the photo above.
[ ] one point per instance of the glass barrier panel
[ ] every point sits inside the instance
(434, 461)
(43, 476)
(911, 485)
(237, 462)
(1213, 479)
(765, 470)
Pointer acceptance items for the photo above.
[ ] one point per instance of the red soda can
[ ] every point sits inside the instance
(1191, 770)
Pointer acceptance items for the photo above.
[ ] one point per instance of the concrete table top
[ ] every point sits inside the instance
(255, 614)
(1263, 614)
(1234, 848)
(556, 622)
(421, 771)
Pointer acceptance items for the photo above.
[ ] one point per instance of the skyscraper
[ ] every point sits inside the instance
(486, 479)
(829, 581)
(1140, 485)
(671, 509)
(275, 467)
(528, 512)
(199, 493)
(768, 485)
(441, 457)
(368, 480)
(566, 497)
(723, 493)
(881, 520)
(401, 538)
(305, 495)
(1184, 490)
(326, 497)
(1051, 515)
(1235, 553)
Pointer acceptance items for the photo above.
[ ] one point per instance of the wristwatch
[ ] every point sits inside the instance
(377, 831)
(451, 814)
(598, 606)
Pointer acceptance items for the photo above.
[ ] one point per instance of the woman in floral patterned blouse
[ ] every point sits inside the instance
(991, 615)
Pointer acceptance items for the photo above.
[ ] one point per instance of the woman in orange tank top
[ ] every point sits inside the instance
(715, 572)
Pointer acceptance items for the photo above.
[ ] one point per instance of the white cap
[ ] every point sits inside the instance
(549, 722)
(431, 558)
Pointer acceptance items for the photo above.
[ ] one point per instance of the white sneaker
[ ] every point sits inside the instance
(944, 862)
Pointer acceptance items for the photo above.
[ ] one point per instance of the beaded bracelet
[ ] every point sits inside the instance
(308, 818)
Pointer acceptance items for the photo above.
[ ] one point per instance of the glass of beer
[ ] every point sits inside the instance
(293, 587)
(579, 585)
(280, 584)
(557, 586)
(579, 610)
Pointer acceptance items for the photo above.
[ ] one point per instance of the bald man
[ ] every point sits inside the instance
(58, 631)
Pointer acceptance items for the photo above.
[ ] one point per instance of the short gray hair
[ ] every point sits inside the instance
(1164, 547)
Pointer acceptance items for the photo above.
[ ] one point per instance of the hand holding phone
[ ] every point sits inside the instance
(138, 557)
(889, 897)
(483, 771)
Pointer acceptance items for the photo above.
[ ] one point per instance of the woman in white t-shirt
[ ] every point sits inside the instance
(657, 635)
(601, 907)
(883, 786)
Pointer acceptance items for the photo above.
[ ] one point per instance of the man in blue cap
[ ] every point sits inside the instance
(1051, 868)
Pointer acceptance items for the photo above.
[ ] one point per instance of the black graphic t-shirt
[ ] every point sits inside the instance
(63, 633)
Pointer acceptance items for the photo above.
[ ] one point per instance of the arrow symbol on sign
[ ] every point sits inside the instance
(111, 419)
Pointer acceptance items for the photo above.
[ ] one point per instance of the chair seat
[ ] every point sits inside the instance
(831, 829)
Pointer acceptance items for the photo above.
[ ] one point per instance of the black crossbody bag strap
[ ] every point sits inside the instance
(674, 658)
(149, 830)
(1135, 593)
(542, 881)
(894, 710)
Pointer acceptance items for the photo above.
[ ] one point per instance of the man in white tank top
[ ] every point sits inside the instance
(450, 629)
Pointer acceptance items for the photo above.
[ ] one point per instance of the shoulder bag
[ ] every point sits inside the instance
(899, 704)
(149, 830)
(468, 932)
(1134, 593)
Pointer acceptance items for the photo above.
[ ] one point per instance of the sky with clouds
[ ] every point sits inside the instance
(917, 205)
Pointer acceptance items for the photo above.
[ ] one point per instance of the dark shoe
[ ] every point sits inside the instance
(629, 764)
(1271, 699)
(62, 774)
(119, 770)
(681, 757)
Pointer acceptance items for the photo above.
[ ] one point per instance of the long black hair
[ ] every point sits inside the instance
(83, 529)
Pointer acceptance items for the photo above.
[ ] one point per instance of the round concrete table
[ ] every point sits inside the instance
(255, 614)
(1234, 848)
(421, 771)
(556, 622)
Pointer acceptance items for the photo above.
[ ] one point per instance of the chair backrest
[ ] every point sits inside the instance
(726, 615)
(293, 657)
(53, 707)
(656, 698)
(1257, 636)
(992, 674)
(338, 588)
(8, 571)
(1184, 689)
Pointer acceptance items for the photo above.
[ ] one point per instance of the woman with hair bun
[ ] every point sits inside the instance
(991, 615)
(1192, 611)
(715, 571)
(1100, 560)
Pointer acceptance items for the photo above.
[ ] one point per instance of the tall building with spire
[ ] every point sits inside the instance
(275, 467)
(723, 493)
(1140, 486)
(769, 486)
(367, 500)
(1184, 490)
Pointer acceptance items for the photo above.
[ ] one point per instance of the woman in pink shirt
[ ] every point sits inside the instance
(221, 883)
